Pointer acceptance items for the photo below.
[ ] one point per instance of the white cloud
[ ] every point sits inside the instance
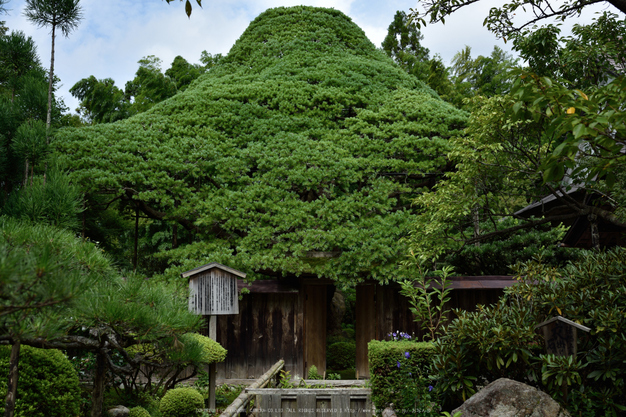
(115, 34)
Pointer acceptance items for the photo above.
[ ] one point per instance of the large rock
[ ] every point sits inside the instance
(507, 398)
(335, 314)
(119, 411)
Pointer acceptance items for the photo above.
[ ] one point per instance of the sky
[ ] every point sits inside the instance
(114, 34)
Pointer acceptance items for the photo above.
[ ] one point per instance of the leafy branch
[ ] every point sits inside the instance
(428, 296)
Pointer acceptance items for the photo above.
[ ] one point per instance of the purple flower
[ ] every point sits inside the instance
(398, 362)
(407, 355)
(430, 388)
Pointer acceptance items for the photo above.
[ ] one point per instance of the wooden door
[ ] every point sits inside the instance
(314, 327)
(365, 326)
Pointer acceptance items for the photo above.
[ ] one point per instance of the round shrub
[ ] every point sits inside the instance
(181, 402)
(47, 385)
(341, 355)
(138, 412)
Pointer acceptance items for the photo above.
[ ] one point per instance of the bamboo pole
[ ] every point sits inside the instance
(242, 400)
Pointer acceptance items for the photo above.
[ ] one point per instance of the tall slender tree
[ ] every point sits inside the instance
(58, 14)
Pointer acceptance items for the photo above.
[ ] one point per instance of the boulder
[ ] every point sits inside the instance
(507, 398)
(119, 411)
(389, 412)
(335, 314)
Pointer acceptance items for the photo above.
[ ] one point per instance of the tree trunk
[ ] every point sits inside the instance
(14, 361)
(50, 79)
(476, 221)
(595, 233)
(49, 115)
(97, 396)
(25, 173)
(135, 257)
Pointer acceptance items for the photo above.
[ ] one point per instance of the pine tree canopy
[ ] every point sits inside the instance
(298, 153)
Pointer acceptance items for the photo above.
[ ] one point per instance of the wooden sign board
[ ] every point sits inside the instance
(560, 335)
(213, 289)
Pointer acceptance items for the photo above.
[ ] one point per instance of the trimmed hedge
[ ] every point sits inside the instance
(212, 351)
(398, 368)
(181, 402)
(138, 412)
(47, 386)
(341, 355)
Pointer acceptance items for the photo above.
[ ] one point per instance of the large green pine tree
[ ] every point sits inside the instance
(299, 153)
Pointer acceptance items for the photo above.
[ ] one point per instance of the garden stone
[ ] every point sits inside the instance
(507, 398)
(119, 411)
(388, 412)
(335, 314)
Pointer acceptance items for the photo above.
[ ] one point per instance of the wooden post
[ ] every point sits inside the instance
(213, 291)
(213, 365)
(365, 326)
(560, 337)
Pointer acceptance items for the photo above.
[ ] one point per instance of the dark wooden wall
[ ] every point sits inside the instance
(269, 327)
(274, 323)
(382, 310)
(315, 312)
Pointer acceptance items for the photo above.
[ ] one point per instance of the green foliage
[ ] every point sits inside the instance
(341, 355)
(305, 139)
(422, 293)
(402, 43)
(103, 102)
(188, 6)
(500, 341)
(149, 87)
(138, 412)
(313, 374)
(593, 55)
(209, 60)
(492, 343)
(23, 101)
(63, 15)
(100, 100)
(500, 18)
(182, 73)
(399, 376)
(469, 218)
(18, 57)
(41, 269)
(285, 380)
(485, 75)
(30, 141)
(211, 350)
(497, 256)
(586, 130)
(52, 201)
(181, 402)
(48, 384)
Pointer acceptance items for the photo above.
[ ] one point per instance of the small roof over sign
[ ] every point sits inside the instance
(564, 320)
(211, 266)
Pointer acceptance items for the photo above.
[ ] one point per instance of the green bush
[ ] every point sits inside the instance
(211, 350)
(341, 355)
(399, 375)
(138, 412)
(500, 341)
(181, 402)
(47, 386)
(313, 374)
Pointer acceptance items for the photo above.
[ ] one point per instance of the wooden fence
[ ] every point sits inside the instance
(313, 402)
